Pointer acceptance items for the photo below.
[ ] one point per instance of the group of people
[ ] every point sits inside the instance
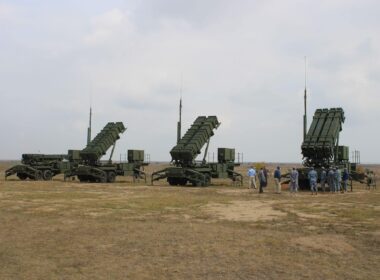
(262, 175)
(335, 180)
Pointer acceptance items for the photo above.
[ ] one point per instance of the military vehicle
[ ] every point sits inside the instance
(46, 166)
(320, 147)
(185, 169)
(92, 169)
(42, 166)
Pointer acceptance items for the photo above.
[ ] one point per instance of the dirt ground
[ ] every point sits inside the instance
(69, 230)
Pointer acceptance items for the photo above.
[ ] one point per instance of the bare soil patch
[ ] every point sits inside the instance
(331, 244)
(244, 211)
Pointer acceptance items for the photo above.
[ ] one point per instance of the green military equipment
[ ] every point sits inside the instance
(226, 155)
(185, 169)
(105, 139)
(40, 166)
(343, 153)
(92, 169)
(320, 147)
(136, 156)
(74, 155)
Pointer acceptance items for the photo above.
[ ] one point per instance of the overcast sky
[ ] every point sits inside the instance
(242, 61)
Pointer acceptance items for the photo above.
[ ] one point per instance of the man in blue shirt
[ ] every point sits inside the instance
(313, 178)
(338, 180)
(252, 177)
(345, 178)
(277, 180)
(293, 180)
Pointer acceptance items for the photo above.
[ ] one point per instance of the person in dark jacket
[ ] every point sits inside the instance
(266, 176)
(262, 180)
(277, 180)
(345, 178)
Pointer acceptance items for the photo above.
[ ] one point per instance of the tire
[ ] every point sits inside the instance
(207, 181)
(47, 175)
(38, 176)
(183, 182)
(22, 176)
(172, 181)
(196, 183)
(82, 178)
(111, 176)
(103, 179)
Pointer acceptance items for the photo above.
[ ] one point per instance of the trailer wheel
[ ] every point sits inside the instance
(207, 181)
(22, 176)
(172, 181)
(103, 179)
(183, 182)
(38, 176)
(82, 178)
(111, 176)
(196, 183)
(47, 175)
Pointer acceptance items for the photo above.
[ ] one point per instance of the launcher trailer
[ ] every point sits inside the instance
(185, 169)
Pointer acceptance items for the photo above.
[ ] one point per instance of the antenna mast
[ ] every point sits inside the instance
(89, 128)
(179, 124)
(305, 108)
(89, 125)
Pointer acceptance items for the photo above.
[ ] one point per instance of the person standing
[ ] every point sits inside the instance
(313, 178)
(345, 178)
(370, 179)
(338, 180)
(323, 179)
(262, 180)
(331, 180)
(277, 180)
(252, 177)
(293, 180)
(266, 176)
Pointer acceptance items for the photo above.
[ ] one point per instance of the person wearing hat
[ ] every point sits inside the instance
(277, 180)
(313, 178)
(323, 179)
(293, 180)
(331, 179)
(338, 180)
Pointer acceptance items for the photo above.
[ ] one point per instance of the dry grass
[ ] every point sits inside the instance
(58, 230)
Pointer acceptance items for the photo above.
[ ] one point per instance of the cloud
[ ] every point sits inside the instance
(108, 25)
(7, 11)
(240, 60)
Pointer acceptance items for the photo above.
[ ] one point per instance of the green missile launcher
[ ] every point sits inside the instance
(41, 166)
(92, 169)
(185, 169)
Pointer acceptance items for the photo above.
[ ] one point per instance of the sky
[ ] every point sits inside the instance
(243, 61)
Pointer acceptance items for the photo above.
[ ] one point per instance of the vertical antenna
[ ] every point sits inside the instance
(305, 108)
(89, 125)
(179, 124)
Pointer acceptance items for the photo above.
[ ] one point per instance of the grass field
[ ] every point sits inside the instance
(68, 230)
